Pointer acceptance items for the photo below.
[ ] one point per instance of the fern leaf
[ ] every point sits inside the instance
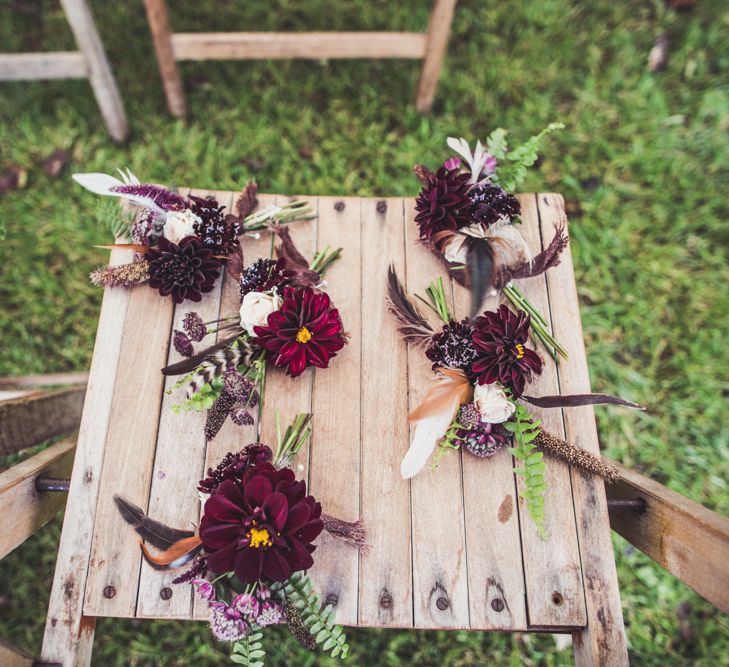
(249, 650)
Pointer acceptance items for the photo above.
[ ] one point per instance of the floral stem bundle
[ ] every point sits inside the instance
(248, 559)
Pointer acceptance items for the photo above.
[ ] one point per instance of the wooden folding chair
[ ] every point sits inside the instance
(172, 47)
(88, 62)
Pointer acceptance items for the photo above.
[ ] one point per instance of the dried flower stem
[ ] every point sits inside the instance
(126, 275)
(588, 463)
(350, 532)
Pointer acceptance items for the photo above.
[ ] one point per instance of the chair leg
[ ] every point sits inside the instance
(100, 75)
(159, 26)
(439, 30)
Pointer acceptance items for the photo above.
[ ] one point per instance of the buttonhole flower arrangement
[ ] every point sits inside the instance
(477, 401)
(285, 321)
(256, 539)
(468, 216)
(180, 243)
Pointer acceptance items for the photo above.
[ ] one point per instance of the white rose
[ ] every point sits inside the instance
(255, 309)
(179, 224)
(493, 403)
(456, 250)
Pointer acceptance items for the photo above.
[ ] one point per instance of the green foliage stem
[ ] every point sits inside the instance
(249, 650)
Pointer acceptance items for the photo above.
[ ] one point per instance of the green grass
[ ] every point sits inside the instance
(643, 164)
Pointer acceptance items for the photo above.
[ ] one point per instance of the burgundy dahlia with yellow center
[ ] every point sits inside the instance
(500, 339)
(262, 526)
(305, 331)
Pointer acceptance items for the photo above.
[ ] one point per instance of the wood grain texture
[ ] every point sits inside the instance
(302, 45)
(69, 636)
(497, 594)
(45, 380)
(46, 65)
(440, 578)
(178, 465)
(436, 42)
(129, 453)
(24, 509)
(603, 642)
(385, 590)
(685, 538)
(39, 416)
(335, 447)
(159, 26)
(551, 568)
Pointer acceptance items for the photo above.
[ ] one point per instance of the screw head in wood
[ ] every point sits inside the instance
(332, 599)
(166, 593)
(442, 603)
(385, 601)
(339, 206)
(381, 206)
(557, 598)
(109, 592)
(497, 604)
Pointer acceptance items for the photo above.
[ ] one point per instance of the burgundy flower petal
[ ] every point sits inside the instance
(222, 560)
(276, 567)
(276, 507)
(248, 565)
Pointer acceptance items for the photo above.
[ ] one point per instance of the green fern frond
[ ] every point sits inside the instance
(249, 650)
(526, 429)
(116, 220)
(330, 637)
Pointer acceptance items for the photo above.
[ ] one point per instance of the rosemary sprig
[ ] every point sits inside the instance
(446, 443)
(437, 299)
(539, 325)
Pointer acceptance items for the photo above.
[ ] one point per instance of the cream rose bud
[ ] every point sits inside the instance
(255, 309)
(492, 403)
(179, 224)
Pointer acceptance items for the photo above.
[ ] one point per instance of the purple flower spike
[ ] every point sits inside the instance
(452, 163)
(160, 197)
(271, 613)
(182, 344)
(226, 623)
(247, 605)
(489, 165)
(204, 589)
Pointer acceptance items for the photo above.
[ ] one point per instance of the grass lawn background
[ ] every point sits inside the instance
(643, 165)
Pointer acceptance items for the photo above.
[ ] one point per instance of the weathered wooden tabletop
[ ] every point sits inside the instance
(450, 549)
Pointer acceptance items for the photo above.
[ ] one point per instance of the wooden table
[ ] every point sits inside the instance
(450, 549)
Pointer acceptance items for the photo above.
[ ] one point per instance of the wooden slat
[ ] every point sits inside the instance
(335, 449)
(440, 578)
(551, 568)
(233, 438)
(603, 642)
(130, 446)
(69, 636)
(435, 48)
(24, 509)
(304, 45)
(48, 65)
(385, 591)
(39, 416)
(687, 539)
(497, 594)
(178, 465)
(45, 380)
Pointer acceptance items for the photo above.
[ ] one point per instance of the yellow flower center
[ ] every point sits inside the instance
(519, 350)
(303, 335)
(259, 537)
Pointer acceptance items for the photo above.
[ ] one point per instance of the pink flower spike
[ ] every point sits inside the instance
(489, 165)
(452, 163)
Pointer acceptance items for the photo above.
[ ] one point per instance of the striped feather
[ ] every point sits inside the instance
(219, 362)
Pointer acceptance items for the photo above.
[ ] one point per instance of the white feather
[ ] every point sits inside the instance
(475, 160)
(509, 233)
(99, 184)
(427, 433)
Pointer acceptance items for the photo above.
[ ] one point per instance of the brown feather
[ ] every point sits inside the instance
(450, 382)
(247, 200)
(412, 326)
(154, 532)
(577, 400)
(189, 365)
(177, 555)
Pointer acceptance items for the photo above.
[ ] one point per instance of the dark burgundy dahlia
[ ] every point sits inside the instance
(500, 339)
(263, 275)
(490, 203)
(305, 331)
(453, 347)
(261, 527)
(216, 230)
(184, 271)
(443, 204)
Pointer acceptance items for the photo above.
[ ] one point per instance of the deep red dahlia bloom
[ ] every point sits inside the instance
(500, 339)
(443, 203)
(305, 331)
(184, 271)
(261, 527)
